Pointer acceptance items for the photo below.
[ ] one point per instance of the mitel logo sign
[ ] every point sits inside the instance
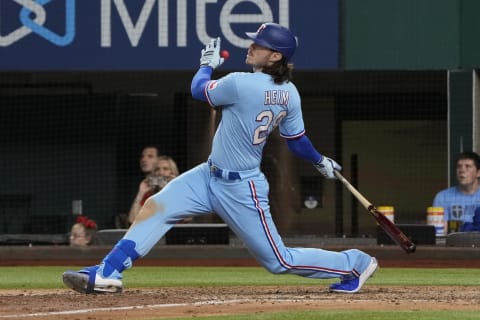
(152, 34)
(37, 10)
(183, 16)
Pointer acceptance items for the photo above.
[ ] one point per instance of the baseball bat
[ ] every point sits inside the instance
(388, 226)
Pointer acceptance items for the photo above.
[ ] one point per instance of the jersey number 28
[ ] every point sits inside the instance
(262, 131)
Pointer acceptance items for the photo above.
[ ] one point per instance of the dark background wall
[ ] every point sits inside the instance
(60, 147)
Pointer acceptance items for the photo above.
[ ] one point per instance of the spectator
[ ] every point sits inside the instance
(167, 167)
(83, 232)
(149, 159)
(165, 171)
(148, 162)
(460, 202)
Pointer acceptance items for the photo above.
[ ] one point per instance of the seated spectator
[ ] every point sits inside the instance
(83, 232)
(149, 159)
(167, 167)
(165, 171)
(460, 202)
(147, 162)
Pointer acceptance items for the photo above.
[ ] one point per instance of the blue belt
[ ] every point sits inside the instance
(224, 174)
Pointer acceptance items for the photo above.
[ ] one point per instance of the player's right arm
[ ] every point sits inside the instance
(199, 83)
(210, 59)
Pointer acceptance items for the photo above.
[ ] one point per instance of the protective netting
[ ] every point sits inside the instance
(66, 137)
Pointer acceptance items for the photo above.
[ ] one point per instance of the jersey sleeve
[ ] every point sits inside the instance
(292, 125)
(222, 92)
(199, 81)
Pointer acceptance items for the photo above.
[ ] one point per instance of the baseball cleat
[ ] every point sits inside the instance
(88, 281)
(354, 284)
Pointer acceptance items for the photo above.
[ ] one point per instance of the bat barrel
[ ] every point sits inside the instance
(388, 226)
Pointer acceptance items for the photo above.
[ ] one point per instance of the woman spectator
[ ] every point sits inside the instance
(164, 172)
(83, 232)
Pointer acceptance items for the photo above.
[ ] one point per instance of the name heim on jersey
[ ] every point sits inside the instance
(276, 97)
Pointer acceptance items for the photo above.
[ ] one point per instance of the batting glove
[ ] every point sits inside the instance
(211, 54)
(327, 166)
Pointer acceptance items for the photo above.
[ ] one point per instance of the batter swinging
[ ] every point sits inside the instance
(230, 183)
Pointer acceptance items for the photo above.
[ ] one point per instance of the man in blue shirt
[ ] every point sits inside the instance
(460, 202)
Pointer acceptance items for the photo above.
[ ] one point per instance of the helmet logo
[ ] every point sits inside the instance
(262, 27)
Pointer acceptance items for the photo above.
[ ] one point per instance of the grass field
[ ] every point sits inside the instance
(39, 277)
(153, 277)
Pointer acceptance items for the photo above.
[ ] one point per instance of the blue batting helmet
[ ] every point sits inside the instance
(276, 37)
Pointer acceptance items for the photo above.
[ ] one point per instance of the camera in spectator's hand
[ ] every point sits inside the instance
(157, 181)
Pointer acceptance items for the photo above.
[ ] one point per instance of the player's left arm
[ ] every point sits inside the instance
(292, 128)
(303, 148)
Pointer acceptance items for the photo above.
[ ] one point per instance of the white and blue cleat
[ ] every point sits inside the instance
(88, 281)
(354, 284)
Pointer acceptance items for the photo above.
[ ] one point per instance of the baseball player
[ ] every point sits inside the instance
(230, 182)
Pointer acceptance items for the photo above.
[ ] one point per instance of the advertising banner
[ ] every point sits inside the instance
(156, 34)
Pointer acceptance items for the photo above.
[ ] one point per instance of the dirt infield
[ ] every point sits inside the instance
(194, 302)
(136, 303)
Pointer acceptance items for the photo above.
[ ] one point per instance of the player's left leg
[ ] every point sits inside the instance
(186, 195)
(244, 207)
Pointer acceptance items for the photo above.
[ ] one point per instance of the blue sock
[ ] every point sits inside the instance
(120, 258)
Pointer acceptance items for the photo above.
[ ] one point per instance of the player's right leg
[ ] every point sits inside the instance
(244, 207)
(353, 284)
(184, 196)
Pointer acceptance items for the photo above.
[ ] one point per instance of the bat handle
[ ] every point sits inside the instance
(365, 203)
(338, 175)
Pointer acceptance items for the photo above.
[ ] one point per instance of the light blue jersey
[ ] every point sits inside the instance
(456, 204)
(252, 107)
